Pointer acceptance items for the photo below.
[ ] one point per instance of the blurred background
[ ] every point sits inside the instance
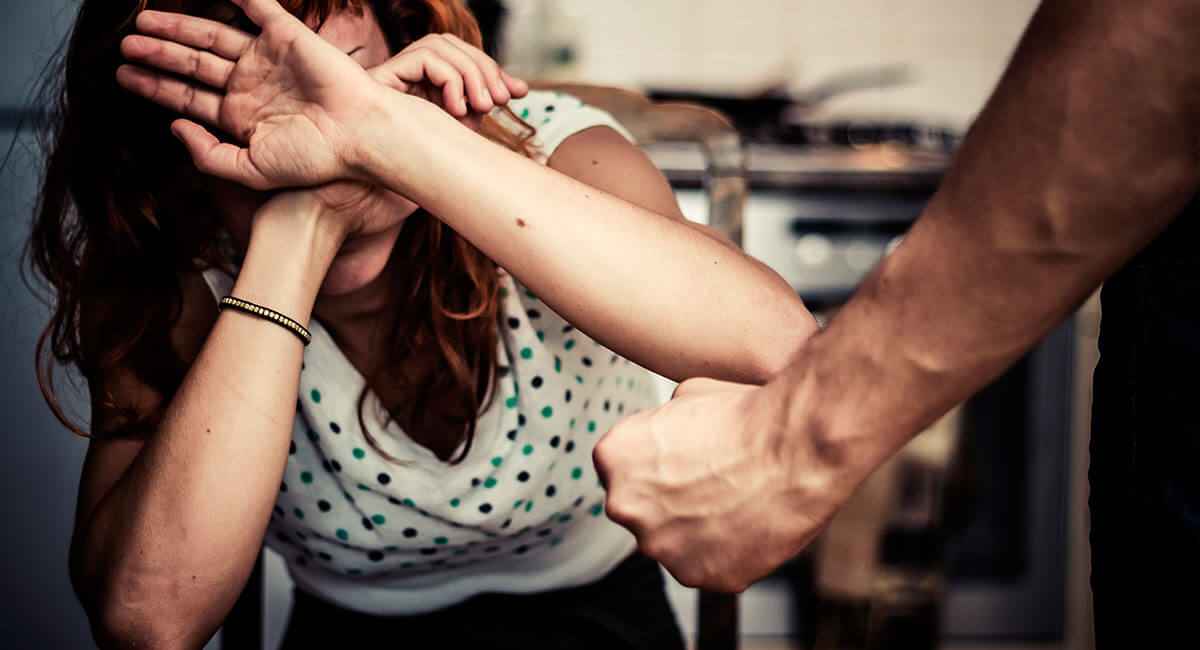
(847, 113)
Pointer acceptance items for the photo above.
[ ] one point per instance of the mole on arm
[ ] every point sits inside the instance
(520, 223)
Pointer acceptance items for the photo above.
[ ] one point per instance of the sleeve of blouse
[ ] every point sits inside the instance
(558, 116)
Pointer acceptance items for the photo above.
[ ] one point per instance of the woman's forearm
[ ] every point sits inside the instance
(169, 547)
(652, 288)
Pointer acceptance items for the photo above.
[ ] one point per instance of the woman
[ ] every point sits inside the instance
(433, 480)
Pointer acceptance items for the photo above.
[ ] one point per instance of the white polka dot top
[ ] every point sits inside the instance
(523, 512)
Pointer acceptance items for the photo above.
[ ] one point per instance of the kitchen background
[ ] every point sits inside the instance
(866, 71)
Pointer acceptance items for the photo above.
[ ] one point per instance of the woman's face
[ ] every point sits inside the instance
(365, 254)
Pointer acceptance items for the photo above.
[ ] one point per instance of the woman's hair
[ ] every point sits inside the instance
(121, 217)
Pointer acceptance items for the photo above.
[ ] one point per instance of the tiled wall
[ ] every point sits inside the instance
(954, 49)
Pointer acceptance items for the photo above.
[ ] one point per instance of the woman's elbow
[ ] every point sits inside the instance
(788, 329)
(123, 615)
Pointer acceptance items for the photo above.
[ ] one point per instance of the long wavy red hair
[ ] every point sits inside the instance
(120, 217)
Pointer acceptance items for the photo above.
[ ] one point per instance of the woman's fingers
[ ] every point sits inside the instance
(518, 87)
(704, 386)
(220, 159)
(220, 39)
(174, 94)
(486, 65)
(204, 67)
(261, 11)
(421, 65)
(474, 79)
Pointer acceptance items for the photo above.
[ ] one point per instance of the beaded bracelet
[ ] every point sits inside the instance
(264, 313)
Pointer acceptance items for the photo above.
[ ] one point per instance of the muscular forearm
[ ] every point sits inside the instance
(652, 288)
(166, 551)
(1084, 154)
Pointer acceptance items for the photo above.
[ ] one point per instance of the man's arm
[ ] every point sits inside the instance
(1086, 151)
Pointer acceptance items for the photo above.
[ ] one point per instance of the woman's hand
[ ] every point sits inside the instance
(302, 107)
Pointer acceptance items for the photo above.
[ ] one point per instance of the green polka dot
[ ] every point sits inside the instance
(530, 293)
(541, 336)
(316, 395)
(497, 461)
(489, 483)
(597, 510)
(591, 426)
(455, 502)
(299, 513)
(556, 541)
(557, 364)
(564, 519)
(577, 473)
(518, 502)
(342, 534)
(440, 541)
(379, 519)
(511, 402)
(359, 453)
(548, 412)
(363, 487)
(527, 449)
(572, 425)
(569, 344)
(525, 113)
(579, 379)
(503, 292)
(529, 505)
(526, 353)
(306, 477)
(409, 503)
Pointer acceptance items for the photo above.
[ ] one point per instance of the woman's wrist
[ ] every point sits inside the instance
(396, 141)
(291, 249)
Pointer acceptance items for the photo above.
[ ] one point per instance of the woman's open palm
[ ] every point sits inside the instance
(287, 95)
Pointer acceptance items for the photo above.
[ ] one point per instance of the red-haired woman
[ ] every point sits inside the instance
(423, 465)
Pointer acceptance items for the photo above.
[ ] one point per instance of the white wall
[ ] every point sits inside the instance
(956, 48)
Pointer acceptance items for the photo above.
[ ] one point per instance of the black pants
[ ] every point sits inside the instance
(1145, 466)
(625, 610)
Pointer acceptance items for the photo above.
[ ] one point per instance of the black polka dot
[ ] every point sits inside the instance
(587, 362)
(292, 448)
(537, 382)
(394, 501)
(475, 482)
(283, 487)
(283, 538)
(607, 405)
(410, 532)
(485, 508)
(587, 403)
(327, 467)
(279, 511)
(545, 532)
(555, 442)
(578, 502)
(367, 524)
(333, 426)
(324, 505)
(567, 396)
(521, 550)
(512, 435)
(383, 478)
(325, 556)
(514, 323)
(337, 467)
(570, 446)
(523, 476)
(429, 551)
(533, 314)
(520, 419)
(550, 108)
(312, 435)
(568, 329)
(612, 361)
(551, 490)
(506, 524)
(375, 556)
(621, 408)
(502, 371)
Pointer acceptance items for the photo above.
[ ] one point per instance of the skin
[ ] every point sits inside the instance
(169, 522)
(1086, 152)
